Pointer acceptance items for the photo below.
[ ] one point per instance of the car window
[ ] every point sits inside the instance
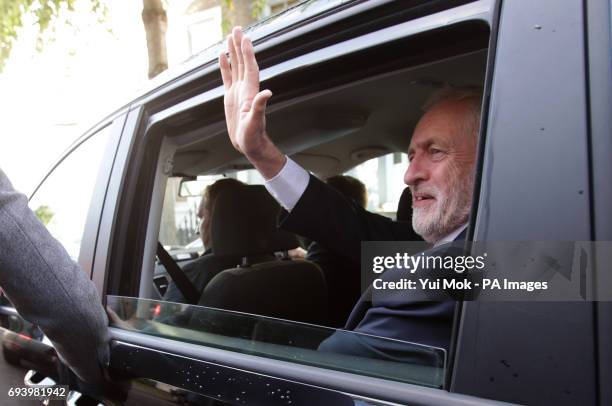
(179, 225)
(179, 232)
(257, 334)
(283, 340)
(327, 129)
(62, 200)
(380, 175)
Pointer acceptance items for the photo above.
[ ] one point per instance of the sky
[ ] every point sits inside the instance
(85, 71)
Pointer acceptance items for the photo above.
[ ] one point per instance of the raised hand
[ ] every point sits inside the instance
(245, 105)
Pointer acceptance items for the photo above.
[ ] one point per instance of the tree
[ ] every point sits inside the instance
(233, 12)
(12, 13)
(155, 22)
(240, 12)
(154, 17)
(44, 214)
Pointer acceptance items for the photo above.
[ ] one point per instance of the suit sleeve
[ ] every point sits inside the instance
(338, 223)
(50, 290)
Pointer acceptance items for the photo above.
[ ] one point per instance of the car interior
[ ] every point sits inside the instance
(330, 132)
(331, 119)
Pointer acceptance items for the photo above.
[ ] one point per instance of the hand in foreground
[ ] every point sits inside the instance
(297, 253)
(245, 105)
(117, 321)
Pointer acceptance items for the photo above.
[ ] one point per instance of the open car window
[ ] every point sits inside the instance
(355, 122)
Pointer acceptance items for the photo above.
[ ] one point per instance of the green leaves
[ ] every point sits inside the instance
(12, 13)
(258, 7)
(44, 214)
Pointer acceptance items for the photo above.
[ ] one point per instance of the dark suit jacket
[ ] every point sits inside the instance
(200, 272)
(326, 216)
(342, 279)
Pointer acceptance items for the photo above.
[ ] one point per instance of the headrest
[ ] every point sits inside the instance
(292, 290)
(244, 223)
(404, 207)
(404, 214)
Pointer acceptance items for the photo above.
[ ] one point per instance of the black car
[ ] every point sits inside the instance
(348, 79)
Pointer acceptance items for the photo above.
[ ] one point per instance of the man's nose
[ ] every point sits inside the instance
(415, 172)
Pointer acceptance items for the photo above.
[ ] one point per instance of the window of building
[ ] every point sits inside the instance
(383, 179)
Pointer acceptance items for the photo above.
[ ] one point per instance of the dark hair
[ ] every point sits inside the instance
(208, 204)
(213, 190)
(350, 187)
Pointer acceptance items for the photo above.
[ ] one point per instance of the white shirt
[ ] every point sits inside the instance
(451, 236)
(288, 186)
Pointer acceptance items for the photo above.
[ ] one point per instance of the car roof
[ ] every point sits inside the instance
(331, 131)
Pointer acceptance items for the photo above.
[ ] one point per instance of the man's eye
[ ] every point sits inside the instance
(436, 154)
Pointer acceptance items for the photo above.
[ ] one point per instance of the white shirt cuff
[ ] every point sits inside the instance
(288, 186)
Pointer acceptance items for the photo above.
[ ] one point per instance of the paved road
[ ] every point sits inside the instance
(12, 376)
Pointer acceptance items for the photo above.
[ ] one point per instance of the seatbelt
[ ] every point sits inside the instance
(184, 285)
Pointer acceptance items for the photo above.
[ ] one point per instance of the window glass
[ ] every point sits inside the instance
(179, 229)
(381, 175)
(301, 343)
(63, 199)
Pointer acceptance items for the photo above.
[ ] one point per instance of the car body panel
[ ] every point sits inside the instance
(133, 349)
(524, 352)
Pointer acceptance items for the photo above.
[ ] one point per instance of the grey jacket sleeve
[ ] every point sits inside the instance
(49, 289)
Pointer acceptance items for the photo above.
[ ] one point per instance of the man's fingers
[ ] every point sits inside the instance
(112, 315)
(251, 69)
(233, 57)
(237, 34)
(226, 71)
(258, 107)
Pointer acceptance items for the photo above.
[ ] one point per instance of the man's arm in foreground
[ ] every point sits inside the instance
(49, 289)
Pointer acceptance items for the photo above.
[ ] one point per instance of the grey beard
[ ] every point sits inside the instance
(454, 211)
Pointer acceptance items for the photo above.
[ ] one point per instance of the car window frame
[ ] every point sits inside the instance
(153, 125)
(479, 337)
(599, 34)
(133, 117)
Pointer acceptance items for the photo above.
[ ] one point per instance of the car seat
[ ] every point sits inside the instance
(404, 212)
(244, 224)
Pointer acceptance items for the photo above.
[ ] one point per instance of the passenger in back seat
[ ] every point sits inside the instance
(207, 266)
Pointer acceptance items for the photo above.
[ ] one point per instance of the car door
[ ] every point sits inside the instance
(537, 163)
(68, 201)
(178, 353)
